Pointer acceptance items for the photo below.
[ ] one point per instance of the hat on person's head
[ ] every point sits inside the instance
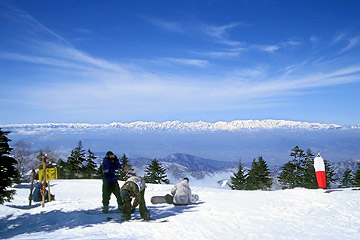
(110, 155)
(186, 179)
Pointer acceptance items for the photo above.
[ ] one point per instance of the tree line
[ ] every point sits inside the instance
(297, 172)
(81, 164)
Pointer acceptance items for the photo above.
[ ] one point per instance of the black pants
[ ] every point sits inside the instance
(107, 190)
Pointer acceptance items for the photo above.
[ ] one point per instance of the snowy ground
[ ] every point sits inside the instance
(220, 214)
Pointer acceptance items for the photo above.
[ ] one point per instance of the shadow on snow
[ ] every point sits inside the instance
(57, 219)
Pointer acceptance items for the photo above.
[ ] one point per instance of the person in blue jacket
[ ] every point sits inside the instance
(110, 182)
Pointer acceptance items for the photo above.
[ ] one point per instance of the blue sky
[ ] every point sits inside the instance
(105, 61)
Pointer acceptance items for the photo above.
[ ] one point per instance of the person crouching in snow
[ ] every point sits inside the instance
(134, 187)
(181, 194)
(110, 182)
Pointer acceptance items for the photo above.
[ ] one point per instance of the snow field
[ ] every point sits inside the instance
(220, 214)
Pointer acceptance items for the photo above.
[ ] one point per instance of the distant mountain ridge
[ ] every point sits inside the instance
(180, 126)
(181, 165)
(223, 141)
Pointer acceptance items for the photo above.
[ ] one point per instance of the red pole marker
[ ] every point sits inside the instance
(320, 171)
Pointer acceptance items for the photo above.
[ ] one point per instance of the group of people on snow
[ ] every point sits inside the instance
(132, 193)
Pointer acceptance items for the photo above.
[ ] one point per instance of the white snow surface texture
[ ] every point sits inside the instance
(220, 214)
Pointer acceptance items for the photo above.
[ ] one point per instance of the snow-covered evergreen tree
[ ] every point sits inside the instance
(75, 161)
(288, 178)
(347, 180)
(259, 175)
(238, 181)
(126, 169)
(308, 171)
(299, 172)
(62, 169)
(155, 173)
(357, 176)
(330, 174)
(8, 172)
(89, 169)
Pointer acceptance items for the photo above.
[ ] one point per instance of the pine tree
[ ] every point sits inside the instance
(347, 180)
(62, 169)
(330, 174)
(238, 181)
(126, 170)
(155, 173)
(76, 160)
(89, 169)
(357, 176)
(252, 179)
(264, 174)
(292, 174)
(8, 172)
(288, 178)
(99, 172)
(298, 155)
(259, 175)
(309, 176)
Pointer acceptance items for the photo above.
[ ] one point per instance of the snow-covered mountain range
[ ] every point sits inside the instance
(223, 141)
(180, 165)
(180, 126)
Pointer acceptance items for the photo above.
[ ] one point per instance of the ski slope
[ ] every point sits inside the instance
(220, 214)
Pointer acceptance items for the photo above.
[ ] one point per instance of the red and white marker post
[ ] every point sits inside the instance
(320, 171)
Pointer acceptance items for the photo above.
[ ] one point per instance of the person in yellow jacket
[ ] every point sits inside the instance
(134, 188)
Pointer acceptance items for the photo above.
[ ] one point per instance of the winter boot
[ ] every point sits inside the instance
(169, 199)
(105, 209)
(125, 217)
(146, 216)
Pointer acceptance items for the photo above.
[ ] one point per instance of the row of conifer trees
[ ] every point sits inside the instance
(81, 164)
(297, 172)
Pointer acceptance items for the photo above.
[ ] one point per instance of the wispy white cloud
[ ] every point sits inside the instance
(28, 22)
(351, 43)
(270, 48)
(314, 39)
(251, 73)
(165, 24)
(290, 43)
(229, 53)
(83, 31)
(338, 38)
(220, 33)
(275, 47)
(50, 47)
(189, 62)
(41, 60)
